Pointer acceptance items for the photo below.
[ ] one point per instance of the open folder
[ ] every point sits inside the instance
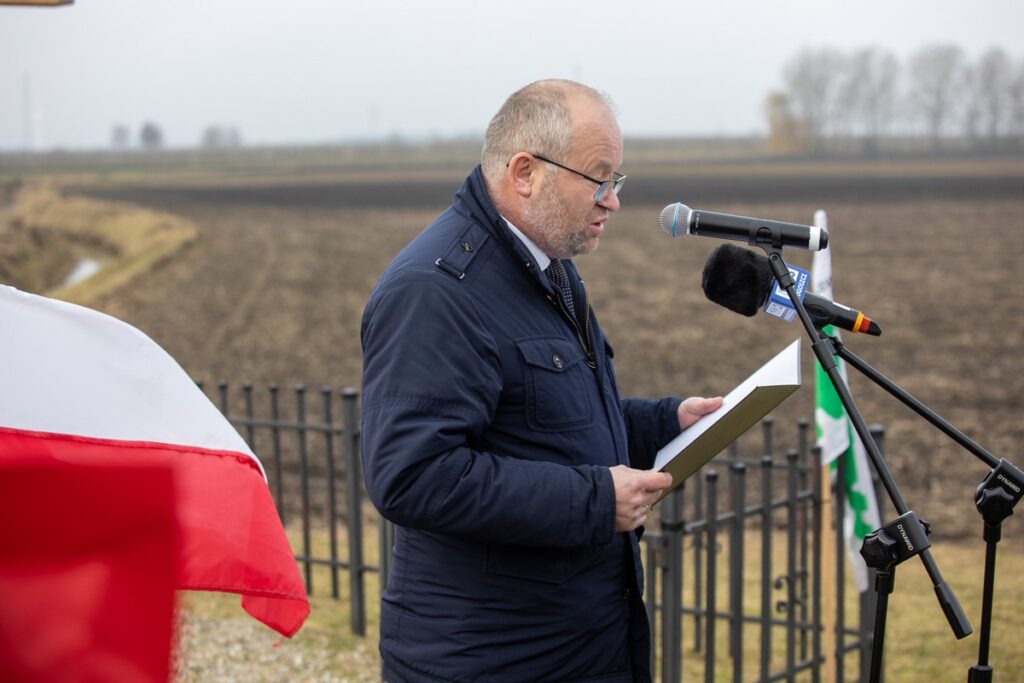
(741, 408)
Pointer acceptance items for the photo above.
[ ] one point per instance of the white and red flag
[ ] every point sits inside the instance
(81, 387)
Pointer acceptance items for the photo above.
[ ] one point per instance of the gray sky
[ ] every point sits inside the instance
(308, 71)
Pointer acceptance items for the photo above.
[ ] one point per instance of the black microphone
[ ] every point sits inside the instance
(678, 219)
(742, 281)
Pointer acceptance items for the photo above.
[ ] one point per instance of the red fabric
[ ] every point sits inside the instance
(87, 571)
(231, 537)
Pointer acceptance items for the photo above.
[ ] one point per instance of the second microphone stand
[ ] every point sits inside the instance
(906, 536)
(995, 497)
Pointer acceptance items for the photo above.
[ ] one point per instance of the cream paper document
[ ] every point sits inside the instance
(741, 408)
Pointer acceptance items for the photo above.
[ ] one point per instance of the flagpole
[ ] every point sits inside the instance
(828, 582)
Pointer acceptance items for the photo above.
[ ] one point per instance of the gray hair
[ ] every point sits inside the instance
(535, 118)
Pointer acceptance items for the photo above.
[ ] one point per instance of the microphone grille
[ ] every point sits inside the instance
(675, 219)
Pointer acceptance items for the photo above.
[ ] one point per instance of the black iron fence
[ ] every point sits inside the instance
(733, 562)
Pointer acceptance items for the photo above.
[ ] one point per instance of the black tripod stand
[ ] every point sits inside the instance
(995, 498)
(906, 536)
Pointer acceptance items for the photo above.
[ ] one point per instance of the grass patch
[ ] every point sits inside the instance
(48, 233)
(919, 643)
(218, 641)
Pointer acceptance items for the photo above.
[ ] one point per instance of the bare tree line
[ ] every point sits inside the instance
(852, 101)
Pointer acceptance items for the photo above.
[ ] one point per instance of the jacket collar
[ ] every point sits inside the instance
(473, 199)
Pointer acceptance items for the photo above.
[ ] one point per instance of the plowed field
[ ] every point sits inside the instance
(272, 290)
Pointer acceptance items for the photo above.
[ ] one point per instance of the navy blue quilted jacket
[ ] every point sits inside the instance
(487, 432)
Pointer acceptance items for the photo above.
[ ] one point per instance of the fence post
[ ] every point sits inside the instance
(767, 427)
(806, 469)
(698, 564)
(672, 587)
(300, 414)
(791, 571)
(275, 434)
(222, 389)
(655, 548)
(817, 528)
(355, 515)
(766, 566)
(839, 504)
(712, 556)
(739, 472)
(250, 429)
(332, 505)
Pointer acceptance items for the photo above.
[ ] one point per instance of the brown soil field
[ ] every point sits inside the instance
(273, 285)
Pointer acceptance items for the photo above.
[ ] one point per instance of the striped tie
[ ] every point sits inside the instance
(556, 273)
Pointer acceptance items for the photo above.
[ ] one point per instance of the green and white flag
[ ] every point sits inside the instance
(837, 437)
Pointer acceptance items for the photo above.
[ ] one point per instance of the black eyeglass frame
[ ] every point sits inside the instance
(614, 183)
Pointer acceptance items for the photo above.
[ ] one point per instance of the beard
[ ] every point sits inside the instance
(558, 229)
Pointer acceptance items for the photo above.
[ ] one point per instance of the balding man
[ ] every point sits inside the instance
(493, 434)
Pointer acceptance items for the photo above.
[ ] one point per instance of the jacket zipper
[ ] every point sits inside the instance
(586, 344)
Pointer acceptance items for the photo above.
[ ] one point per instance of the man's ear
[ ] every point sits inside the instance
(523, 174)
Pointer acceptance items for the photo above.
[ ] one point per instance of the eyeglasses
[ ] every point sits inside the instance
(603, 186)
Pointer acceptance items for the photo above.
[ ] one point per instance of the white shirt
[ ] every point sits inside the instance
(542, 259)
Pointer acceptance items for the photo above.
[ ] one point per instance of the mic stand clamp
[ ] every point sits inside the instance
(997, 495)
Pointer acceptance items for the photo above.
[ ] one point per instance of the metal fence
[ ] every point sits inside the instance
(705, 589)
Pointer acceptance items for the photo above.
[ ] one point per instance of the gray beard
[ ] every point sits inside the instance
(554, 229)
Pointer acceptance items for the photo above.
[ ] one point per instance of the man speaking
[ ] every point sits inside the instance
(493, 434)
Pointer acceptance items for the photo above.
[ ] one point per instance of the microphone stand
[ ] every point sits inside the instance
(900, 539)
(995, 497)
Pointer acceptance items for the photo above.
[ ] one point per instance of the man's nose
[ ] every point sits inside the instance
(610, 201)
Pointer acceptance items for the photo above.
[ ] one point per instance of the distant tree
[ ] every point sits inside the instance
(866, 97)
(120, 136)
(812, 79)
(970, 107)
(1016, 96)
(995, 77)
(150, 136)
(935, 74)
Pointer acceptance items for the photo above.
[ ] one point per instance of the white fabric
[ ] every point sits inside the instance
(67, 369)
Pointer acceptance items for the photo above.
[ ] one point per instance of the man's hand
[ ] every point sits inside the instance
(635, 492)
(695, 407)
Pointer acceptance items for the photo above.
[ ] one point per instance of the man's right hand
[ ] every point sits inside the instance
(635, 492)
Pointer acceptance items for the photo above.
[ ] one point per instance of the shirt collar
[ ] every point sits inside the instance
(542, 259)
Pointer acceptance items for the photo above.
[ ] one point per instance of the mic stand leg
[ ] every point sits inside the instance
(995, 499)
(882, 550)
(884, 582)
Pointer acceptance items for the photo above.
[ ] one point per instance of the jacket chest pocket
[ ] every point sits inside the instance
(556, 376)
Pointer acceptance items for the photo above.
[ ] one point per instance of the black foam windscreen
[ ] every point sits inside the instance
(738, 279)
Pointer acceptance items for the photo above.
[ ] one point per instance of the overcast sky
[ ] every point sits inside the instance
(309, 71)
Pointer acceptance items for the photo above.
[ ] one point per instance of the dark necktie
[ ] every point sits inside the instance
(556, 273)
